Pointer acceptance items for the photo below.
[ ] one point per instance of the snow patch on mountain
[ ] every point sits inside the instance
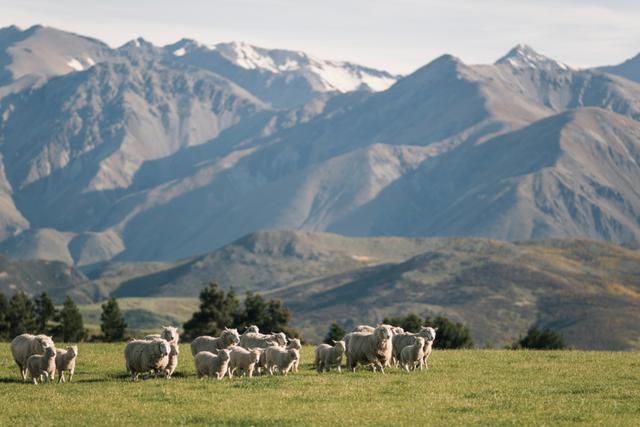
(75, 64)
(523, 56)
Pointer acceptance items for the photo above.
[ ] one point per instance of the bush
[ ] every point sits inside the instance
(449, 334)
(541, 339)
(410, 323)
(336, 333)
(112, 322)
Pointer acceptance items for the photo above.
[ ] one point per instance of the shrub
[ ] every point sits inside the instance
(112, 322)
(336, 333)
(449, 334)
(541, 339)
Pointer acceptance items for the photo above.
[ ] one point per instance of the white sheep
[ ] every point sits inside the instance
(143, 356)
(209, 364)
(280, 359)
(404, 339)
(369, 348)
(252, 339)
(66, 361)
(328, 356)
(25, 345)
(173, 359)
(297, 345)
(243, 360)
(364, 328)
(227, 338)
(429, 335)
(169, 333)
(251, 329)
(412, 355)
(42, 365)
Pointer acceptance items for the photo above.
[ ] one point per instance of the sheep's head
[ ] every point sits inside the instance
(383, 332)
(428, 332)
(293, 354)
(420, 341)
(163, 347)
(72, 351)
(230, 336)
(397, 330)
(280, 338)
(45, 341)
(255, 354)
(294, 343)
(252, 329)
(49, 352)
(170, 333)
(340, 346)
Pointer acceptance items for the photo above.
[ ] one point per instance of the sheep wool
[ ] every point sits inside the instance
(25, 345)
(146, 355)
(328, 356)
(42, 365)
(212, 365)
(227, 338)
(369, 348)
(412, 355)
(66, 361)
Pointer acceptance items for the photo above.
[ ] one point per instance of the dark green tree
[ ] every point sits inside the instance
(449, 334)
(112, 322)
(541, 339)
(410, 323)
(336, 333)
(44, 311)
(268, 316)
(22, 318)
(217, 311)
(4, 318)
(71, 324)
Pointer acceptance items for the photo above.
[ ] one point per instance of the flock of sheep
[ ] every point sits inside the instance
(234, 354)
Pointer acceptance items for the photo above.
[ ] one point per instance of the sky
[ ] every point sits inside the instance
(395, 35)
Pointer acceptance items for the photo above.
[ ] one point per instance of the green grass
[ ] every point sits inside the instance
(488, 387)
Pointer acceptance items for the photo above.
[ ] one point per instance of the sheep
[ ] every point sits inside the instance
(42, 364)
(429, 334)
(25, 345)
(328, 356)
(251, 329)
(244, 360)
(173, 359)
(369, 348)
(209, 364)
(169, 333)
(66, 361)
(402, 340)
(280, 359)
(143, 356)
(413, 354)
(364, 328)
(295, 344)
(228, 338)
(252, 339)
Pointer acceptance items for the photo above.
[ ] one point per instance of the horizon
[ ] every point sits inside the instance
(365, 35)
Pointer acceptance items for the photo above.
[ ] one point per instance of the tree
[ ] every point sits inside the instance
(71, 324)
(4, 318)
(268, 316)
(216, 312)
(410, 323)
(541, 339)
(112, 322)
(336, 333)
(44, 311)
(21, 315)
(449, 334)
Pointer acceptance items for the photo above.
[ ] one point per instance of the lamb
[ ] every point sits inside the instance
(369, 348)
(143, 356)
(280, 359)
(402, 340)
(429, 334)
(173, 359)
(412, 355)
(25, 345)
(295, 344)
(228, 338)
(243, 360)
(42, 364)
(252, 339)
(328, 356)
(209, 364)
(66, 361)
(169, 333)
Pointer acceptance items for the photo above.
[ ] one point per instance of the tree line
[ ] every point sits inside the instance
(38, 315)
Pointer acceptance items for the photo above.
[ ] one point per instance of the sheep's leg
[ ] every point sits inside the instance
(60, 377)
(23, 372)
(33, 379)
(71, 371)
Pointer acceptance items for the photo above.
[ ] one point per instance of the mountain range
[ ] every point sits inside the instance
(148, 153)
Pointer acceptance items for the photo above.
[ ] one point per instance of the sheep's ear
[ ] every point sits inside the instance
(334, 342)
(435, 329)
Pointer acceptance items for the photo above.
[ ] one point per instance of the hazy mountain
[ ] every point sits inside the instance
(283, 78)
(629, 69)
(497, 288)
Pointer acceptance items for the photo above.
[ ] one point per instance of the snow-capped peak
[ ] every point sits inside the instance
(523, 56)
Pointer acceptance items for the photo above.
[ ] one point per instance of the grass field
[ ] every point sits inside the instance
(489, 387)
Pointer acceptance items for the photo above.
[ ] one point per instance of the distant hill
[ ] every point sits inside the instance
(589, 291)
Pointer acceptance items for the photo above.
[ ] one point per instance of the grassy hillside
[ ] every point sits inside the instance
(461, 388)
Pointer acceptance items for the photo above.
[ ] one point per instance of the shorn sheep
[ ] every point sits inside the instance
(66, 361)
(252, 339)
(146, 355)
(413, 355)
(168, 333)
(25, 345)
(227, 338)
(243, 360)
(328, 356)
(369, 348)
(278, 359)
(42, 365)
(212, 365)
